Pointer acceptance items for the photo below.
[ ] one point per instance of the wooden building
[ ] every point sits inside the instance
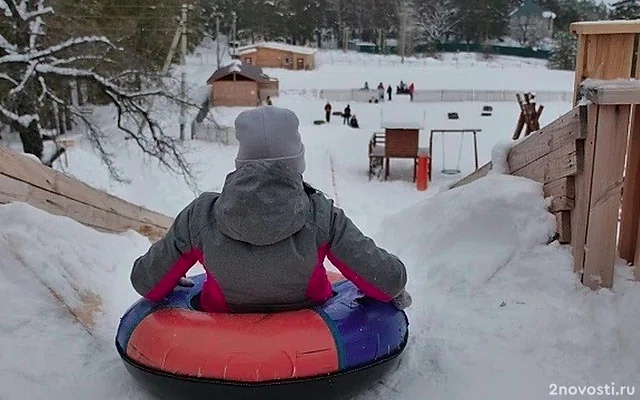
(241, 85)
(278, 55)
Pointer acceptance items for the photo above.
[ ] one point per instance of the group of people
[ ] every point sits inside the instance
(400, 89)
(347, 117)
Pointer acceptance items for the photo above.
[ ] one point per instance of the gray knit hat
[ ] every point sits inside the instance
(271, 134)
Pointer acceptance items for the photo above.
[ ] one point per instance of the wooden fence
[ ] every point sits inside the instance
(26, 180)
(434, 96)
(592, 169)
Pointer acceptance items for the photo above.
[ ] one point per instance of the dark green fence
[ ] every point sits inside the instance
(498, 50)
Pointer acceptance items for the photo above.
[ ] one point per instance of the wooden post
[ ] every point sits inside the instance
(631, 191)
(604, 199)
(605, 51)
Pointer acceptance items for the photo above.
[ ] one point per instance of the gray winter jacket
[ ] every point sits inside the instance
(262, 242)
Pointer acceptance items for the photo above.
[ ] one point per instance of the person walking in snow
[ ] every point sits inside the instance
(411, 90)
(389, 91)
(262, 240)
(269, 102)
(346, 114)
(327, 112)
(381, 92)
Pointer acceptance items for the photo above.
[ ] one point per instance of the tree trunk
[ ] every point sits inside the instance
(31, 139)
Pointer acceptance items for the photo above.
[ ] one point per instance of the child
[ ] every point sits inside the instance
(263, 239)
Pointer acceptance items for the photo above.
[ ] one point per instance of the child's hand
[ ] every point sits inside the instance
(402, 301)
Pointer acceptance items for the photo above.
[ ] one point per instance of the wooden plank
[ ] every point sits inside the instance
(569, 127)
(605, 27)
(630, 213)
(14, 190)
(604, 57)
(606, 186)
(582, 194)
(631, 193)
(610, 92)
(19, 167)
(581, 61)
(562, 192)
(563, 223)
(561, 187)
(479, 173)
(558, 164)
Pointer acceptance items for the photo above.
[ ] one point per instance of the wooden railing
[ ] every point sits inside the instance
(26, 180)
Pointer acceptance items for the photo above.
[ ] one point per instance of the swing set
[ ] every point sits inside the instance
(444, 132)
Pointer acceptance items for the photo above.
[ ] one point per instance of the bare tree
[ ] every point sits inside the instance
(434, 20)
(37, 76)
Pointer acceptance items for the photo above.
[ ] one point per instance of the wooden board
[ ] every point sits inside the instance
(558, 164)
(605, 92)
(604, 202)
(563, 224)
(569, 127)
(603, 56)
(19, 167)
(631, 193)
(582, 182)
(479, 173)
(630, 216)
(14, 190)
(605, 27)
(562, 192)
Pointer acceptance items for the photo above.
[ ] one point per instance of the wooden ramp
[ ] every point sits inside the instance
(26, 180)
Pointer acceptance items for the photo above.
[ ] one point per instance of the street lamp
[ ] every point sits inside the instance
(550, 15)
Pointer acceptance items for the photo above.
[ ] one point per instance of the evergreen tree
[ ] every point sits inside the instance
(564, 51)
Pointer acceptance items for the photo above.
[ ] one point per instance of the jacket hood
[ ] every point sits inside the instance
(262, 203)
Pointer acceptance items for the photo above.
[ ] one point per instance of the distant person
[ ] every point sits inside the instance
(353, 122)
(269, 102)
(346, 114)
(411, 90)
(381, 92)
(327, 111)
(263, 239)
(389, 91)
(366, 86)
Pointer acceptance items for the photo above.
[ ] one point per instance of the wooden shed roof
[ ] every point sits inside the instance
(238, 67)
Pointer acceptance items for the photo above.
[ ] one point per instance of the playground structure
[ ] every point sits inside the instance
(588, 160)
(444, 132)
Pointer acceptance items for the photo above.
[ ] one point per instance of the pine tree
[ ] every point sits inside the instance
(564, 51)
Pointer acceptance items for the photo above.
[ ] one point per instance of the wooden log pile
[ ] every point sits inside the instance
(529, 116)
(26, 180)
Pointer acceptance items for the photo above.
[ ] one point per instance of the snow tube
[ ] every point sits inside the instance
(332, 351)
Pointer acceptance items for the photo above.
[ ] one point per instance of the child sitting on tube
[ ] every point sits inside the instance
(263, 239)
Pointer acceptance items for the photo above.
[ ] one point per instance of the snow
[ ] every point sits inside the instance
(280, 46)
(497, 312)
(247, 51)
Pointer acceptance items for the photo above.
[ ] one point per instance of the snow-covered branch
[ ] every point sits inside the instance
(52, 50)
(24, 120)
(435, 20)
(28, 74)
(73, 59)
(6, 77)
(14, 8)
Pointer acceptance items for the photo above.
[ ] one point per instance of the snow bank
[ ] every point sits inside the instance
(65, 286)
(497, 312)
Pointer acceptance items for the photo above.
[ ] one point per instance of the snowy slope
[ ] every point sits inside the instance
(497, 312)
